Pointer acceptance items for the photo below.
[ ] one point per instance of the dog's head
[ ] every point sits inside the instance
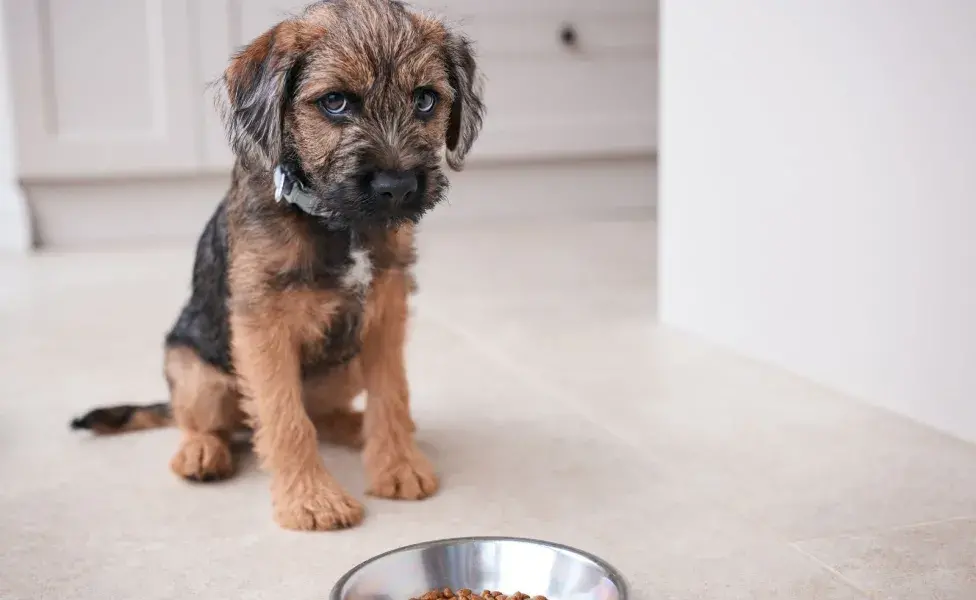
(361, 99)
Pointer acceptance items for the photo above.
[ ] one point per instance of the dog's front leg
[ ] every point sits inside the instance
(395, 466)
(305, 495)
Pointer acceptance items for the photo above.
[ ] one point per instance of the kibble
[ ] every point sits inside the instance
(466, 594)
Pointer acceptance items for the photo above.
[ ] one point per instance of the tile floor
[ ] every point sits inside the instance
(553, 405)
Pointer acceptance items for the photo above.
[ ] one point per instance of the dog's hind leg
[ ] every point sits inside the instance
(328, 399)
(206, 407)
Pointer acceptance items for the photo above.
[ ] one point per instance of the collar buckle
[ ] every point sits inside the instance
(284, 184)
(287, 187)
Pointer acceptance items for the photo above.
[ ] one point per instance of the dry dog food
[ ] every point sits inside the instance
(466, 594)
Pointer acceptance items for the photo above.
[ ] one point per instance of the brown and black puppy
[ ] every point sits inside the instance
(340, 118)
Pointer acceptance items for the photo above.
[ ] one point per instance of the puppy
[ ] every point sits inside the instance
(340, 119)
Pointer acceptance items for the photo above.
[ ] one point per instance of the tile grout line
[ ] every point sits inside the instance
(880, 530)
(834, 572)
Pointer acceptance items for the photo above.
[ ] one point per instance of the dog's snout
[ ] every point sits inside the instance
(394, 186)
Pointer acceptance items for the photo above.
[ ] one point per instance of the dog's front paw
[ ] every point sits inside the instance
(316, 504)
(408, 476)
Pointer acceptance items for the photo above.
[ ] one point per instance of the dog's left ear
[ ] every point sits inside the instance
(467, 109)
(254, 91)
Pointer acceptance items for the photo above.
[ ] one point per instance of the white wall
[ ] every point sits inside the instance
(14, 223)
(818, 192)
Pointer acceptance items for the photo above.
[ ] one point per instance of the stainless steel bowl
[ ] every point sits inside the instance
(503, 564)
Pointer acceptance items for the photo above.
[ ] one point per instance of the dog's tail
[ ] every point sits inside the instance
(125, 418)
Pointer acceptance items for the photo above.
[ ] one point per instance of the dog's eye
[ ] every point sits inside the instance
(334, 103)
(424, 101)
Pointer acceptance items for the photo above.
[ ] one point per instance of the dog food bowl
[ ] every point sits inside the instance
(503, 564)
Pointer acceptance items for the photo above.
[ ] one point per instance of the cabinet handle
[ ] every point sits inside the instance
(568, 36)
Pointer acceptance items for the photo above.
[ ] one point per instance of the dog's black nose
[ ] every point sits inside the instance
(394, 186)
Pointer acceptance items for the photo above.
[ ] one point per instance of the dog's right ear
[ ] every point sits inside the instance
(252, 93)
(467, 109)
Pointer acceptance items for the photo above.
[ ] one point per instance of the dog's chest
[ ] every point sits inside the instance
(339, 343)
(345, 275)
(358, 272)
(340, 337)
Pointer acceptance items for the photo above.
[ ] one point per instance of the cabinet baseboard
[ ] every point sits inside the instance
(15, 226)
(142, 212)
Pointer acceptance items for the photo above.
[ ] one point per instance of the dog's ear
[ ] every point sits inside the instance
(254, 90)
(467, 109)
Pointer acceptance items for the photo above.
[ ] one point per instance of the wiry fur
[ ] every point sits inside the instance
(292, 316)
(467, 108)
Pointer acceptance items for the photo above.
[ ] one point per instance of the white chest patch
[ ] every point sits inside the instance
(360, 274)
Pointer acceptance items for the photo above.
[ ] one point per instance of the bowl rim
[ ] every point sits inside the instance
(614, 575)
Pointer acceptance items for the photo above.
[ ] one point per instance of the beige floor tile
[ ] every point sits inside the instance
(551, 402)
(81, 512)
(930, 561)
(767, 571)
(789, 456)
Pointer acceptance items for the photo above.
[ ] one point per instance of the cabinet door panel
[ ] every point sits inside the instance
(225, 27)
(102, 87)
(217, 23)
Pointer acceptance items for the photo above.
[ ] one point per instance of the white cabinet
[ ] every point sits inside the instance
(103, 87)
(576, 80)
(225, 27)
(118, 87)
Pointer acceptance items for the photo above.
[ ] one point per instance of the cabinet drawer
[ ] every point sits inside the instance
(464, 9)
(558, 86)
(564, 37)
